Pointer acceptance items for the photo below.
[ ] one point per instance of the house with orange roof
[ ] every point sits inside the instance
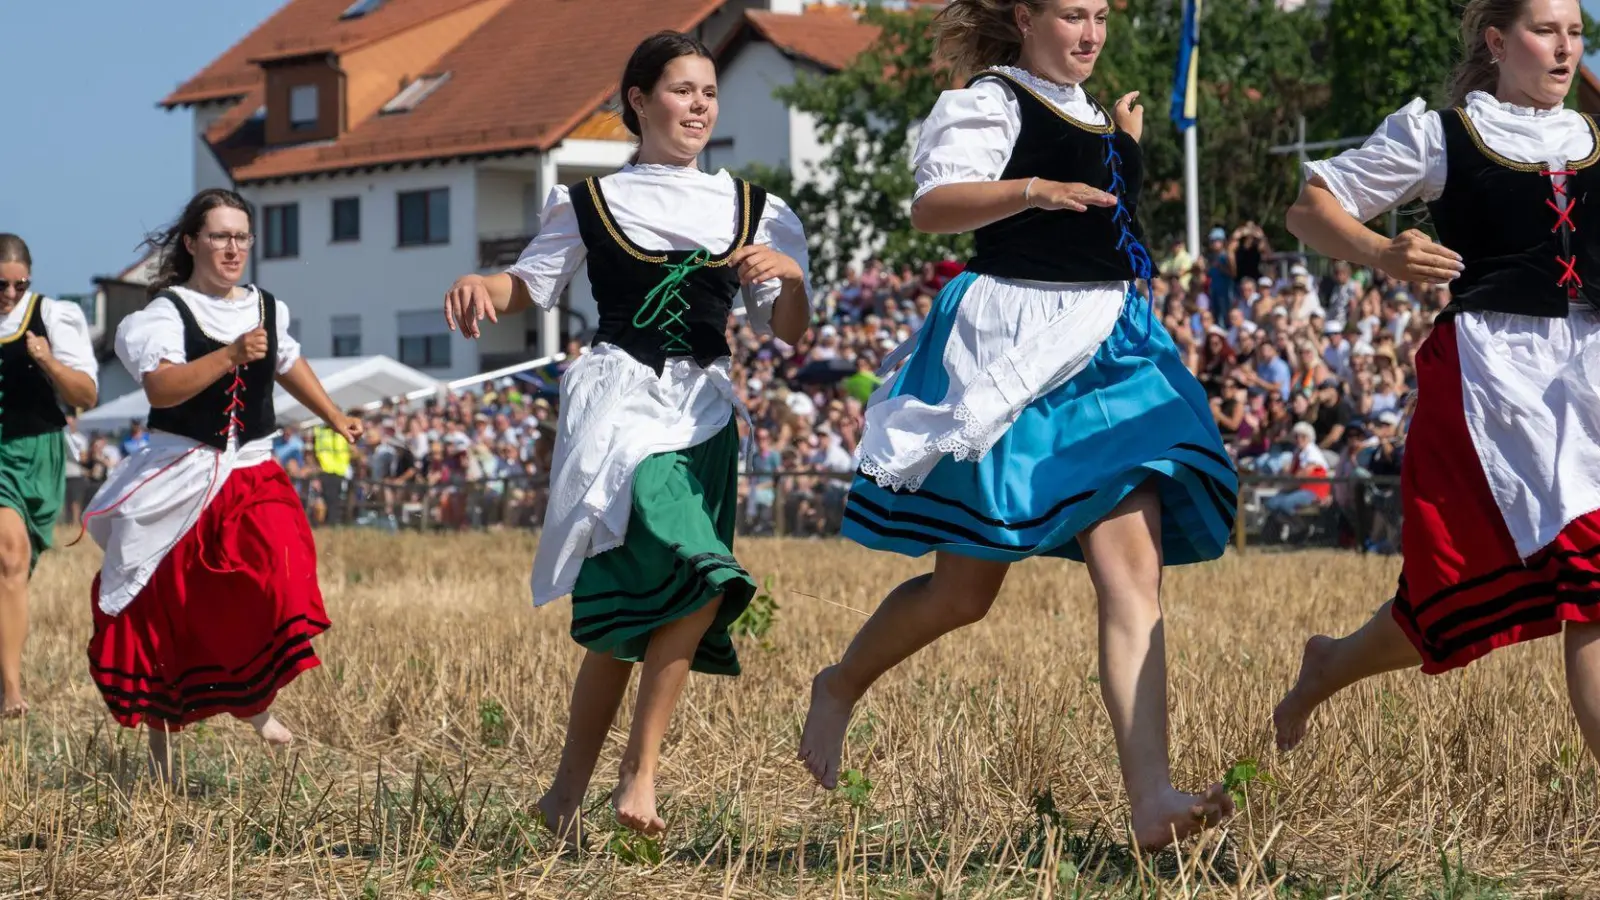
(391, 145)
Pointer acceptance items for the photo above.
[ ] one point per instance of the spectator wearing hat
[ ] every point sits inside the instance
(1220, 270)
(1307, 461)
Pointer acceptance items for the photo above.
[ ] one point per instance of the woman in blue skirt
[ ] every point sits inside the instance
(1041, 410)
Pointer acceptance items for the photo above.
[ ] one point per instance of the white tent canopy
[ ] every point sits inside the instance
(351, 382)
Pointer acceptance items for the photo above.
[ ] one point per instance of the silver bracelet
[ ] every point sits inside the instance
(1027, 192)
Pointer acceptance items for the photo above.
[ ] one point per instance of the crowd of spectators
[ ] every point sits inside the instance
(1308, 377)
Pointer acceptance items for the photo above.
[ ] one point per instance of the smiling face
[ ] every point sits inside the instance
(1539, 53)
(678, 114)
(1062, 39)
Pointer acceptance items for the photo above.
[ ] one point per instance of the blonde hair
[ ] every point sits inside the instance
(972, 35)
(1477, 71)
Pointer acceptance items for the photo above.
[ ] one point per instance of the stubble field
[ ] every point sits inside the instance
(982, 768)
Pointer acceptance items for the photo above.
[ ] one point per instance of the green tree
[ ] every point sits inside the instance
(1382, 53)
(858, 198)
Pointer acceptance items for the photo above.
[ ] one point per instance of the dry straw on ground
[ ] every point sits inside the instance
(985, 766)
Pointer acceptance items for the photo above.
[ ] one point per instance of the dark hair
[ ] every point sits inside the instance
(1476, 71)
(15, 249)
(648, 61)
(177, 263)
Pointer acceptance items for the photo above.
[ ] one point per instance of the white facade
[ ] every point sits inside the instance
(752, 126)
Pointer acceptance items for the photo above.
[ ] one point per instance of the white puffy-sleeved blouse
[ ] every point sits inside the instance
(1014, 341)
(1528, 383)
(66, 327)
(153, 497)
(615, 410)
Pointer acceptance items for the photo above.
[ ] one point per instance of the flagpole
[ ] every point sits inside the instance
(1191, 182)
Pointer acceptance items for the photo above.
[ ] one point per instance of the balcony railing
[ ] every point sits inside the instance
(499, 252)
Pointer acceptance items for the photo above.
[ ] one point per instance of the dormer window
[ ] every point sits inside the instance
(360, 8)
(303, 107)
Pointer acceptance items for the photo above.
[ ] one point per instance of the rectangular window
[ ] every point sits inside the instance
(346, 331)
(282, 238)
(303, 107)
(347, 219)
(424, 340)
(425, 217)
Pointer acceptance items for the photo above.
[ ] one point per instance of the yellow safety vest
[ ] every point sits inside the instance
(332, 451)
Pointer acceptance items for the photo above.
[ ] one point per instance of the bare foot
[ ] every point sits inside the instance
(822, 740)
(271, 730)
(14, 708)
(635, 803)
(559, 816)
(1293, 714)
(1174, 815)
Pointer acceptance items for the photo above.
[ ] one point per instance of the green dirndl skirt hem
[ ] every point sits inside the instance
(33, 482)
(676, 557)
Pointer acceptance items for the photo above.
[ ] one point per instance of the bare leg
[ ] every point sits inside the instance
(15, 552)
(1582, 642)
(959, 592)
(1123, 552)
(160, 754)
(271, 730)
(596, 694)
(1330, 665)
(666, 667)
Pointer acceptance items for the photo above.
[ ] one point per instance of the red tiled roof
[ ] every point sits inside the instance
(830, 36)
(525, 79)
(301, 27)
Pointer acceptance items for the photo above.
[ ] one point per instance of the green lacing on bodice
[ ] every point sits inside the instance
(665, 306)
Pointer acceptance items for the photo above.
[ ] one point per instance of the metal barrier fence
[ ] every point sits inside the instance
(1361, 513)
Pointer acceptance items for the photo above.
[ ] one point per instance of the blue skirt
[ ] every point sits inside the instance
(1134, 413)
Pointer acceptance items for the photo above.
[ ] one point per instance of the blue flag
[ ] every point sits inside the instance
(1186, 86)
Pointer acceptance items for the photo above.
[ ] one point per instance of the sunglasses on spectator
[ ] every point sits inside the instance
(21, 285)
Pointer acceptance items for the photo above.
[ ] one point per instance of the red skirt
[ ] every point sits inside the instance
(1463, 589)
(227, 619)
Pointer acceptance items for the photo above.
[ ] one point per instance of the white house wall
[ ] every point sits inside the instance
(373, 277)
(208, 173)
(758, 125)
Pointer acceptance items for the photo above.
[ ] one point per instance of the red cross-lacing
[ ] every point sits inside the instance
(1569, 264)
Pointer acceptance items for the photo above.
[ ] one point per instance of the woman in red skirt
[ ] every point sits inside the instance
(1501, 467)
(207, 600)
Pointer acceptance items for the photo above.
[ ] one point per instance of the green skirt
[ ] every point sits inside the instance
(677, 556)
(33, 482)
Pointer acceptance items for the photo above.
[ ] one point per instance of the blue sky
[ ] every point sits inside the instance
(88, 163)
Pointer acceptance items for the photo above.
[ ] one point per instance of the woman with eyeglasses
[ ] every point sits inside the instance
(46, 360)
(207, 600)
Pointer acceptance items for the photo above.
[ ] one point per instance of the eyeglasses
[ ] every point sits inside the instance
(21, 285)
(219, 240)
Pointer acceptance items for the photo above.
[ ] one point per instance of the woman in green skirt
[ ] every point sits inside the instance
(46, 359)
(643, 499)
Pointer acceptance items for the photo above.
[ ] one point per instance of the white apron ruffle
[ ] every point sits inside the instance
(150, 501)
(615, 412)
(1012, 343)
